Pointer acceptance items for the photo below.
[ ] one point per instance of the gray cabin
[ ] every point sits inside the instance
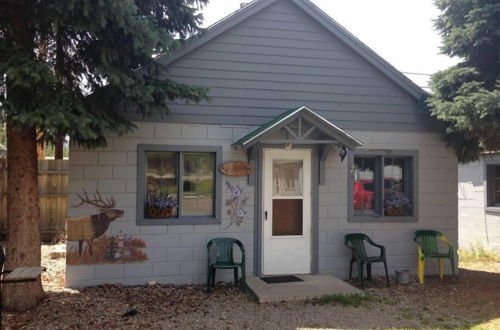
(334, 138)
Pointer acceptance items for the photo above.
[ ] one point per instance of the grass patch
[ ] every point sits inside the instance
(407, 313)
(478, 253)
(384, 300)
(354, 300)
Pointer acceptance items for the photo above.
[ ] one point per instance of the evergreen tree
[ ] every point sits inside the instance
(111, 249)
(73, 67)
(466, 97)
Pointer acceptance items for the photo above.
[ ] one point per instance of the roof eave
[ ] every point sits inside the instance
(335, 132)
(216, 29)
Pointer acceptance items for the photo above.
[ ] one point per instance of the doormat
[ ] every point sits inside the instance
(281, 279)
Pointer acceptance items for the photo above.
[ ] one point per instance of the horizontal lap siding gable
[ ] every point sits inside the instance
(282, 58)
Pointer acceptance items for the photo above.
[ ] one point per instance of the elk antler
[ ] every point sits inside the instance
(96, 200)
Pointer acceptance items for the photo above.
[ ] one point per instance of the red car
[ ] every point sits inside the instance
(364, 195)
(364, 192)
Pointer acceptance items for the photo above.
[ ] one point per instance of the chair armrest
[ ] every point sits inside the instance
(349, 247)
(242, 249)
(375, 244)
(445, 241)
(381, 247)
(209, 246)
(415, 239)
(382, 250)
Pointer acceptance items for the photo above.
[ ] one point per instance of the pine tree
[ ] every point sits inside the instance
(111, 249)
(73, 67)
(466, 97)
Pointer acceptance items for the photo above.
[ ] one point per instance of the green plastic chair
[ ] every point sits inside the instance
(427, 242)
(356, 242)
(225, 260)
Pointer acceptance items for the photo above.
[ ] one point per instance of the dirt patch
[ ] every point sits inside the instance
(473, 301)
(53, 278)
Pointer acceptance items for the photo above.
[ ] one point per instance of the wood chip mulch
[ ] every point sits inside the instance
(473, 301)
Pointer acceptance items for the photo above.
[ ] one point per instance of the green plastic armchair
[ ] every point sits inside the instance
(225, 260)
(427, 242)
(356, 242)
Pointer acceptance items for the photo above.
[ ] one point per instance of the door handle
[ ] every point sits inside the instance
(265, 215)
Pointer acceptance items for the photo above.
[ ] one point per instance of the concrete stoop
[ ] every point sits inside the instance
(313, 286)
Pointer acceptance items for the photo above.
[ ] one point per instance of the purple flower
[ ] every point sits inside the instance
(396, 200)
(161, 200)
(236, 190)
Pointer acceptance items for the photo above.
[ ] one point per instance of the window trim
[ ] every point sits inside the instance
(183, 220)
(352, 217)
(489, 186)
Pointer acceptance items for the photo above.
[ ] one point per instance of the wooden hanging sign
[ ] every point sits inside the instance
(236, 168)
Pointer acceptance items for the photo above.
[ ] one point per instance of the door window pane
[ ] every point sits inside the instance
(365, 193)
(287, 217)
(287, 177)
(198, 184)
(397, 199)
(161, 178)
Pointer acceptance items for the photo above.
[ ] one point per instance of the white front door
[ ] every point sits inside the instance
(286, 212)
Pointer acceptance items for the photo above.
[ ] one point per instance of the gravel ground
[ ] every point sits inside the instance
(473, 301)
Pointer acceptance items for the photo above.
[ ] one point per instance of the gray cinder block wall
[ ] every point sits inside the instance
(177, 253)
(437, 204)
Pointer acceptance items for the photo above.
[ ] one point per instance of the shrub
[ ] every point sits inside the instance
(477, 252)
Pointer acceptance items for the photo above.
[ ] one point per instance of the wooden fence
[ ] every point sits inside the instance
(53, 180)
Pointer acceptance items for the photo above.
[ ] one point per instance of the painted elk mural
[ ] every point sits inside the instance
(91, 229)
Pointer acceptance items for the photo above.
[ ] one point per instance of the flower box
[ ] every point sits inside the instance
(396, 204)
(159, 212)
(395, 212)
(160, 205)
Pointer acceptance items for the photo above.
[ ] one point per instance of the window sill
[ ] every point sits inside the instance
(179, 221)
(492, 209)
(380, 219)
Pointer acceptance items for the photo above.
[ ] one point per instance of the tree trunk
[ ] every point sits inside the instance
(23, 213)
(59, 148)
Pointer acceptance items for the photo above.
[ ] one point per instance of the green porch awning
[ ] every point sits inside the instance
(301, 125)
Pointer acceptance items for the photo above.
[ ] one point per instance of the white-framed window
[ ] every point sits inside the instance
(178, 184)
(382, 185)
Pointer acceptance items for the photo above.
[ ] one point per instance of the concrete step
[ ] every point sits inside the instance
(313, 286)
